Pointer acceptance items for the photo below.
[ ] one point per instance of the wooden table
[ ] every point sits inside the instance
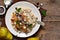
(51, 30)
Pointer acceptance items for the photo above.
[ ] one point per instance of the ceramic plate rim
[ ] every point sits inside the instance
(11, 29)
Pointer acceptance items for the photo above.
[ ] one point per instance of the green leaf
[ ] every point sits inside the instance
(18, 9)
(17, 22)
(30, 25)
(43, 12)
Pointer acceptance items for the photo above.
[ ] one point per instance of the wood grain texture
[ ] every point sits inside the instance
(51, 29)
(2, 2)
(52, 20)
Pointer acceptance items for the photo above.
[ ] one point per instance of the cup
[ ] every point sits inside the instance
(2, 10)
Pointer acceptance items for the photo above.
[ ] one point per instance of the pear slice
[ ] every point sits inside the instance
(9, 36)
(3, 32)
(33, 38)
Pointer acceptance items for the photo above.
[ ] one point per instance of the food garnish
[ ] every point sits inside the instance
(23, 20)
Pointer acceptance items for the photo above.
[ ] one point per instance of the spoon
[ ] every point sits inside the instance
(41, 23)
(7, 2)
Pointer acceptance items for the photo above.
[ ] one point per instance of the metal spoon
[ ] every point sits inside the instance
(7, 2)
(41, 23)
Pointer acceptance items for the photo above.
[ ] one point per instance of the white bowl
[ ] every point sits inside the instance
(9, 15)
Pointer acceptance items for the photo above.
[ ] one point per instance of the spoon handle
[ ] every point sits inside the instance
(41, 23)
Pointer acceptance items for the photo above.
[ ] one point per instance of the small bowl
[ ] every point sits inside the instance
(3, 9)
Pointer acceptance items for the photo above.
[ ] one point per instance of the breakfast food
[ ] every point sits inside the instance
(23, 20)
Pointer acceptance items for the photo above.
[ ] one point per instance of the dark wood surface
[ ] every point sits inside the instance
(51, 30)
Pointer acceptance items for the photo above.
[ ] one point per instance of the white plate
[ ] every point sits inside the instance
(9, 15)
